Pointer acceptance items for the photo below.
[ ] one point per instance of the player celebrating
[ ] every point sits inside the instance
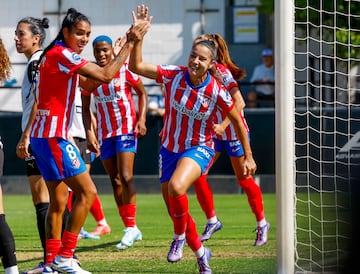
(118, 130)
(192, 97)
(227, 140)
(58, 159)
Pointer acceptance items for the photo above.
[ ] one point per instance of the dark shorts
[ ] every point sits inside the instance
(85, 153)
(30, 165)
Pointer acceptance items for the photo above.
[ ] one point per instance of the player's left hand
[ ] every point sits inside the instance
(22, 148)
(140, 128)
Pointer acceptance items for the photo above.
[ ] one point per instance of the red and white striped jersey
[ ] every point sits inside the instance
(189, 110)
(55, 92)
(229, 82)
(115, 107)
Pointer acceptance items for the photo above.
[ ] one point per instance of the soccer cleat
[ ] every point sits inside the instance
(101, 230)
(262, 234)
(131, 235)
(38, 269)
(83, 234)
(67, 265)
(204, 262)
(210, 229)
(47, 270)
(176, 250)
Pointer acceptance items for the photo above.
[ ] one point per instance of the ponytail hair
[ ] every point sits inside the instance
(223, 55)
(37, 27)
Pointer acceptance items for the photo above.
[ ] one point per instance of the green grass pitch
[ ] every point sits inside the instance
(232, 247)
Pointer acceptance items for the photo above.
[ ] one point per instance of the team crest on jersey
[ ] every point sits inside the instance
(205, 102)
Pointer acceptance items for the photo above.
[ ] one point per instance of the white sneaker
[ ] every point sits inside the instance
(67, 265)
(131, 235)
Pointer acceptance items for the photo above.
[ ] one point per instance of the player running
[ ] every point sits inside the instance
(192, 97)
(227, 140)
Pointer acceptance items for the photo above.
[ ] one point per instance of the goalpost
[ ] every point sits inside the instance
(317, 64)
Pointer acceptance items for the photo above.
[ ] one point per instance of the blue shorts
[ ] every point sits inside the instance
(233, 148)
(113, 145)
(168, 160)
(57, 158)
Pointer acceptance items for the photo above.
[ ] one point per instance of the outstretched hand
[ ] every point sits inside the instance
(141, 16)
(141, 23)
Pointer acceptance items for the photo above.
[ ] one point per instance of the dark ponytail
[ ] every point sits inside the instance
(72, 17)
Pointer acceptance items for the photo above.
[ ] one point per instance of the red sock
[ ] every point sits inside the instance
(68, 244)
(70, 200)
(128, 214)
(96, 210)
(204, 196)
(254, 196)
(52, 247)
(192, 237)
(179, 210)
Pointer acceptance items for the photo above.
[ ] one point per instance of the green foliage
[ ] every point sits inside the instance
(330, 21)
(321, 17)
(266, 7)
(232, 247)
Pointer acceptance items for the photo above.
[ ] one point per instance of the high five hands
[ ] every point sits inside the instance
(141, 23)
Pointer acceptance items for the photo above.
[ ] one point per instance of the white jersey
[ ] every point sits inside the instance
(77, 128)
(27, 97)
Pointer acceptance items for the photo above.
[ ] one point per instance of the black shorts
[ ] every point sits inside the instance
(31, 166)
(84, 152)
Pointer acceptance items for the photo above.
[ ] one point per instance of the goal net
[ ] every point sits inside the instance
(327, 133)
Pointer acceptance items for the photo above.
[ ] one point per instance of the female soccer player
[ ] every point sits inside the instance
(118, 130)
(192, 97)
(29, 38)
(227, 140)
(7, 243)
(58, 159)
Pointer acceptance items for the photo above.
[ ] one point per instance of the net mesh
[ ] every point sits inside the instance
(327, 131)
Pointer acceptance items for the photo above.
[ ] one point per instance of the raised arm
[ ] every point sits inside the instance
(95, 74)
(136, 63)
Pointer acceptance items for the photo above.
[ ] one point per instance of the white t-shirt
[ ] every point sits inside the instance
(261, 72)
(77, 128)
(27, 96)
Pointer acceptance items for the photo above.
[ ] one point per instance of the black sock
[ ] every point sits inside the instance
(41, 213)
(65, 219)
(7, 244)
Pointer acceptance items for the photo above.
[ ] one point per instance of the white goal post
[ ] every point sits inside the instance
(317, 120)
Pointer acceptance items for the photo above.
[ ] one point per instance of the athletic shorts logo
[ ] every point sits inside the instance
(75, 163)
